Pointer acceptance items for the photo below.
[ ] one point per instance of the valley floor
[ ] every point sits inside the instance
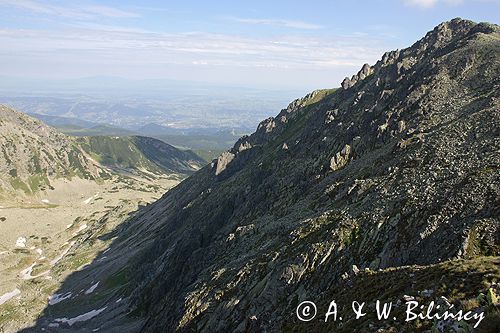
(45, 238)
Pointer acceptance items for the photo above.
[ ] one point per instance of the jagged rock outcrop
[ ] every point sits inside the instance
(222, 161)
(341, 158)
(365, 71)
(415, 147)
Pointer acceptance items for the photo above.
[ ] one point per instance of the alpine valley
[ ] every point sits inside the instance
(385, 188)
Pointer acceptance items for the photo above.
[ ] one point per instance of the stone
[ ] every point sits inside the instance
(341, 158)
(223, 161)
(244, 146)
(346, 84)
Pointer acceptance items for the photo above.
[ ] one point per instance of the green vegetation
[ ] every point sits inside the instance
(117, 152)
(36, 182)
(141, 154)
(18, 184)
(8, 314)
(117, 280)
(113, 151)
(36, 167)
(318, 96)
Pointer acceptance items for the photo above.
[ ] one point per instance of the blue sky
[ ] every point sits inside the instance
(268, 44)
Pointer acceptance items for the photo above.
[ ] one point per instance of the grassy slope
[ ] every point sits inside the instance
(119, 152)
(138, 153)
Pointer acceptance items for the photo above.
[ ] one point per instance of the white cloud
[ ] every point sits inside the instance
(82, 51)
(421, 3)
(102, 42)
(278, 23)
(431, 3)
(108, 11)
(71, 11)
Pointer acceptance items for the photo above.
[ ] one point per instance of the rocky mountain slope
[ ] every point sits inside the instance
(32, 153)
(384, 187)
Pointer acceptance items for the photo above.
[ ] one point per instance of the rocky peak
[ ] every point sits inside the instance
(365, 71)
(389, 70)
(437, 39)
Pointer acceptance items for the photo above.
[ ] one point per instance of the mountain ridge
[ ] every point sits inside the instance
(34, 154)
(140, 153)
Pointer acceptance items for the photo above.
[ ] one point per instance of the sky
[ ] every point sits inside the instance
(271, 44)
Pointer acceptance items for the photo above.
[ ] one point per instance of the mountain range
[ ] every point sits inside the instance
(385, 188)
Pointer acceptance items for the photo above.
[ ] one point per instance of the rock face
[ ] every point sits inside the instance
(222, 162)
(400, 167)
(341, 158)
(365, 71)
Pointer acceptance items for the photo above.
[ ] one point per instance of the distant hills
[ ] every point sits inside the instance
(184, 108)
(207, 143)
(78, 127)
(96, 130)
(61, 122)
